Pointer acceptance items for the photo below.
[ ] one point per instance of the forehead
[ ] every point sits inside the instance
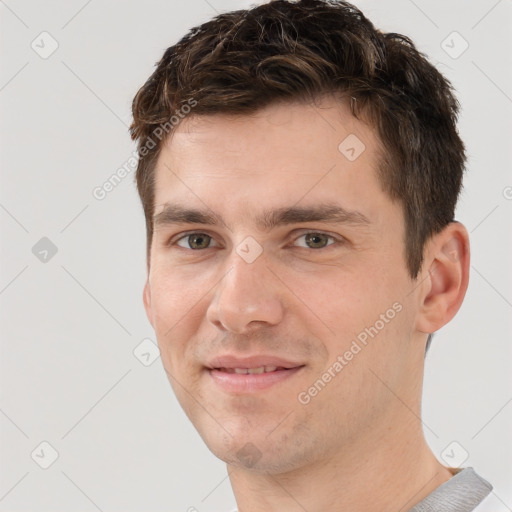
(284, 153)
(293, 130)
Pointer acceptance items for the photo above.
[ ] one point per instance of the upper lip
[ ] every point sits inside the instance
(256, 361)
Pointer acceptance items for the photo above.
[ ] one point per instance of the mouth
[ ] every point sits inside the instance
(253, 371)
(249, 375)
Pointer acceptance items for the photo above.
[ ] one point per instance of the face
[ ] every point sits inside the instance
(278, 288)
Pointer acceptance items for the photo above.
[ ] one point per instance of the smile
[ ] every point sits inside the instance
(260, 369)
(250, 380)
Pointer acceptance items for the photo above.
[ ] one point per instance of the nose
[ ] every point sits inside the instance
(248, 297)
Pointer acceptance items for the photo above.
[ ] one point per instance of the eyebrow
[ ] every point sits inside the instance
(332, 213)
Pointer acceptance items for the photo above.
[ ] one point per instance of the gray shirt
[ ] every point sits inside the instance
(462, 493)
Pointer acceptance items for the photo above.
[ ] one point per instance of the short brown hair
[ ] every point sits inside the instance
(244, 60)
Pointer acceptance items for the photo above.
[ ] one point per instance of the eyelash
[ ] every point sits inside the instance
(332, 240)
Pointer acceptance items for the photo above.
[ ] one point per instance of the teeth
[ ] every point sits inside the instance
(244, 371)
(261, 369)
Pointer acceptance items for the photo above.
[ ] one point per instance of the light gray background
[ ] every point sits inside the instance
(69, 325)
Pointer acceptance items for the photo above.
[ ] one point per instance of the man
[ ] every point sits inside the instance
(299, 172)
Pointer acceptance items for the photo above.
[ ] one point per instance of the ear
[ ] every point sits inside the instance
(446, 276)
(146, 298)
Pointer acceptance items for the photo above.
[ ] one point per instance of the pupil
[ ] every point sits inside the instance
(316, 240)
(198, 241)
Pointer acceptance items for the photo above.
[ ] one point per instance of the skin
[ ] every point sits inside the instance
(359, 441)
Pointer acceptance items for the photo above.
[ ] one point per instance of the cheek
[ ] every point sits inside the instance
(176, 294)
(367, 307)
(178, 303)
(342, 301)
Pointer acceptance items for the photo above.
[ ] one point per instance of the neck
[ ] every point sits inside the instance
(394, 469)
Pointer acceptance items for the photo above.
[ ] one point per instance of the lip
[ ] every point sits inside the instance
(250, 383)
(255, 361)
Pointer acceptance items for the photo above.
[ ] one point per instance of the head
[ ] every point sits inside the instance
(299, 172)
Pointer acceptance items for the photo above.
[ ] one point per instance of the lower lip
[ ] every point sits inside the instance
(250, 382)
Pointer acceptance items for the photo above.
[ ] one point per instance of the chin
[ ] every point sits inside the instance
(254, 450)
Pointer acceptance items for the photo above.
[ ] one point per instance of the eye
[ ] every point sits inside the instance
(195, 241)
(315, 240)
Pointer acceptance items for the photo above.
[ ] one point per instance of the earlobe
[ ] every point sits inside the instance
(146, 298)
(447, 258)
